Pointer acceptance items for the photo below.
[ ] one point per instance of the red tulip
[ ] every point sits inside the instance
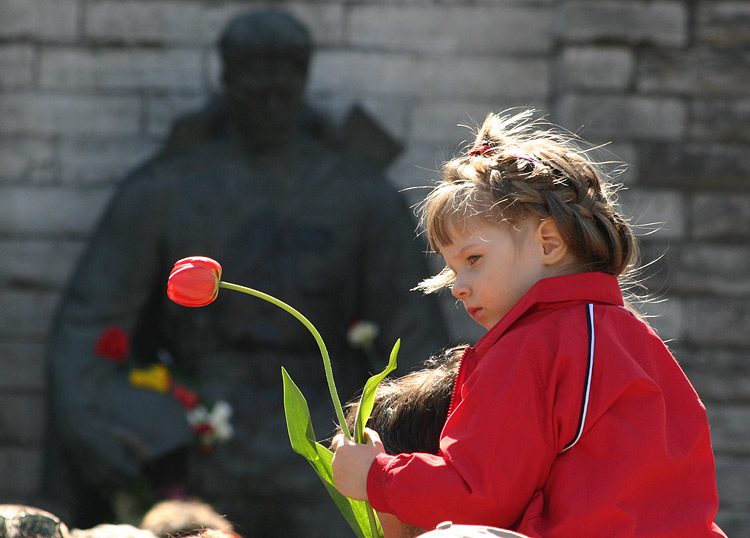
(194, 281)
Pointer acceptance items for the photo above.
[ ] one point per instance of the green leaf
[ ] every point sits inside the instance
(367, 401)
(302, 437)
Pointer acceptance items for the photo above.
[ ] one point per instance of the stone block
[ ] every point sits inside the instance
(28, 160)
(716, 321)
(129, 70)
(658, 23)
(69, 115)
(40, 19)
(326, 21)
(721, 216)
(734, 495)
(723, 23)
(22, 418)
(719, 360)
(173, 22)
(721, 120)
(733, 521)
(417, 167)
(665, 316)
(334, 107)
(699, 268)
(164, 22)
(695, 165)
(20, 471)
(730, 433)
(26, 313)
(335, 71)
(163, 110)
(392, 115)
(450, 123)
(716, 383)
(53, 211)
(452, 29)
(659, 213)
(398, 75)
(38, 263)
(728, 387)
(213, 71)
(596, 68)
(16, 66)
(620, 159)
(600, 118)
(101, 162)
(22, 367)
(697, 72)
(656, 263)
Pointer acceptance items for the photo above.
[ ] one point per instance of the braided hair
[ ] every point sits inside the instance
(519, 168)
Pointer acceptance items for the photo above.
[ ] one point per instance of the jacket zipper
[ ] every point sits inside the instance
(458, 382)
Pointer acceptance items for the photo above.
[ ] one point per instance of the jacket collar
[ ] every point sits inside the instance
(580, 288)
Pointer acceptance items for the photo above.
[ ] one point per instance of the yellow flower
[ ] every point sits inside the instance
(155, 377)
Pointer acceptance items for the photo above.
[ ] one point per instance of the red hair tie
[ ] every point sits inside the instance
(485, 148)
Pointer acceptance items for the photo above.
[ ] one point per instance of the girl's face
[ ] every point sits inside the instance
(494, 266)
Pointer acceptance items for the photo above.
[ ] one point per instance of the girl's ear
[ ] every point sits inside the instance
(553, 248)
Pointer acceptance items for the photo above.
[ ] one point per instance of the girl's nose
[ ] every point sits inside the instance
(460, 290)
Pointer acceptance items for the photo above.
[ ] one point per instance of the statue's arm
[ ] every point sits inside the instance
(107, 426)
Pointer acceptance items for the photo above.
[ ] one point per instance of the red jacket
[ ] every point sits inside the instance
(569, 418)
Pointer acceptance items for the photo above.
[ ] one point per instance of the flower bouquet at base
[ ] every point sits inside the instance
(194, 282)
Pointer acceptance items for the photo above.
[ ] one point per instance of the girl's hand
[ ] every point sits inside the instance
(351, 463)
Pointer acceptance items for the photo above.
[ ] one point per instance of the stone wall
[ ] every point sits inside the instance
(88, 89)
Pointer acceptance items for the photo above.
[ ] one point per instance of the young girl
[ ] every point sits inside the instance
(569, 418)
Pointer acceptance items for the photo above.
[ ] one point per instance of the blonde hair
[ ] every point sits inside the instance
(519, 167)
(177, 517)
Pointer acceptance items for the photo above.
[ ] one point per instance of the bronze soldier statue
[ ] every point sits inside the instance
(251, 181)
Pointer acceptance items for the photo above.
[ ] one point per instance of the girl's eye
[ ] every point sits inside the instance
(473, 259)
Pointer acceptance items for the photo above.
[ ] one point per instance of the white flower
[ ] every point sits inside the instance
(362, 333)
(220, 421)
(197, 415)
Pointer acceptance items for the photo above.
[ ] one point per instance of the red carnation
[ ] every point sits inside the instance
(113, 345)
(187, 398)
(202, 429)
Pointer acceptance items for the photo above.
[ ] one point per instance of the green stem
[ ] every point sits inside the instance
(318, 339)
(326, 366)
(373, 520)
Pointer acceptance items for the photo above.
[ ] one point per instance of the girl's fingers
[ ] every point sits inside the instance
(337, 441)
(372, 437)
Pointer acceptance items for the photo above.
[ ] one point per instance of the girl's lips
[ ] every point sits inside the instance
(473, 311)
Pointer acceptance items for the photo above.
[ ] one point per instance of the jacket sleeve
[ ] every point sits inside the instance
(108, 427)
(498, 445)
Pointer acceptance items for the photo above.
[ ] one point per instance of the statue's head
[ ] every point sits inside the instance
(265, 57)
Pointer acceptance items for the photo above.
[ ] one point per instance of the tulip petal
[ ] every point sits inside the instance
(194, 281)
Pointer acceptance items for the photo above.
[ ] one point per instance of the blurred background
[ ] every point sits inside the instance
(89, 89)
